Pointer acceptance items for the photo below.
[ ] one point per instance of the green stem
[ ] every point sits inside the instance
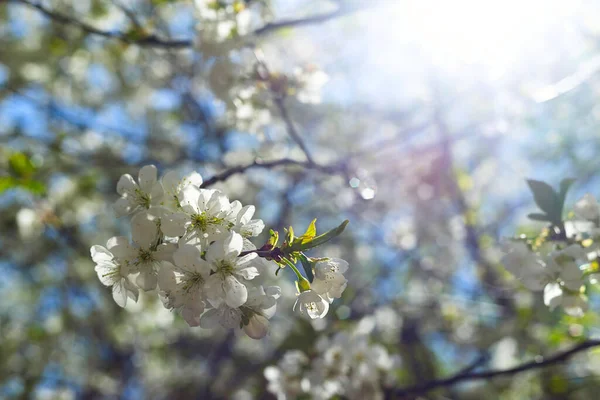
(293, 267)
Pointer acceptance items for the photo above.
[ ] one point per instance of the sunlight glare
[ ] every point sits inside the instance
(490, 33)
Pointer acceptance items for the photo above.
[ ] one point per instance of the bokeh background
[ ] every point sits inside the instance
(417, 121)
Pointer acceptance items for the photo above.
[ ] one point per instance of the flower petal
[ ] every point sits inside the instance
(123, 206)
(119, 294)
(126, 185)
(258, 327)
(147, 178)
(236, 292)
(100, 254)
(147, 280)
(144, 230)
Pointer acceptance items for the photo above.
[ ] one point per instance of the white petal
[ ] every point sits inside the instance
(194, 179)
(147, 280)
(247, 260)
(215, 252)
(258, 327)
(156, 194)
(166, 277)
(132, 291)
(191, 315)
(126, 185)
(187, 257)
(236, 292)
(120, 247)
(273, 291)
(123, 206)
(552, 295)
(100, 254)
(210, 319)
(245, 215)
(144, 230)
(248, 273)
(107, 273)
(230, 318)
(164, 252)
(119, 294)
(214, 290)
(174, 224)
(232, 246)
(253, 228)
(147, 178)
(190, 196)
(171, 181)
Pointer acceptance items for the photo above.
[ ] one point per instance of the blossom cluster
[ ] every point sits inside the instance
(192, 246)
(345, 365)
(560, 264)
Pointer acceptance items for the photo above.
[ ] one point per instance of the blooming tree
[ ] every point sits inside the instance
(227, 127)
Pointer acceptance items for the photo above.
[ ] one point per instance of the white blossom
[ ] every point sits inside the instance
(135, 196)
(182, 284)
(329, 281)
(587, 208)
(146, 254)
(174, 184)
(244, 224)
(574, 304)
(226, 285)
(203, 217)
(311, 304)
(114, 272)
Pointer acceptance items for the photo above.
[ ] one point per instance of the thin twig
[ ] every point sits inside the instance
(473, 376)
(315, 19)
(291, 129)
(267, 164)
(148, 40)
(151, 40)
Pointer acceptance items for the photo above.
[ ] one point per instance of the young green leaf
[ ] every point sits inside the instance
(546, 199)
(323, 238)
(565, 184)
(310, 233)
(307, 265)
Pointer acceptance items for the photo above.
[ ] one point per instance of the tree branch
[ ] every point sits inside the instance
(267, 164)
(473, 376)
(291, 129)
(152, 40)
(149, 40)
(315, 19)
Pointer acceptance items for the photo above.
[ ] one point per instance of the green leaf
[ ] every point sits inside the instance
(20, 165)
(33, 186)
(307, 265)
(274, 238)
(565, 184)
(539, 217)
(310, 233)
(289, 236)
(321, 239)
(7, 182)
(546, 199)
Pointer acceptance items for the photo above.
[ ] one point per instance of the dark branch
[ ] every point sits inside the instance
(473, 376)
(315, 19)
(267, 164)
(152, 40)
(291, 129)
(148, 40)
